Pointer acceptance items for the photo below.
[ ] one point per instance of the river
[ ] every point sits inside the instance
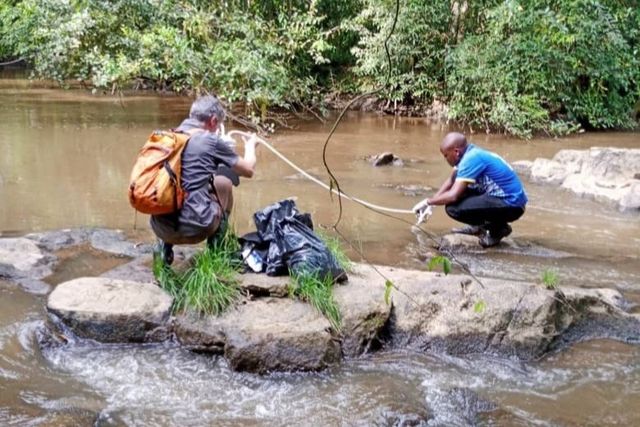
(65, 163)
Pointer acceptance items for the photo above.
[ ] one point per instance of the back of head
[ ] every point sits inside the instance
(206, 107)
(453, 140)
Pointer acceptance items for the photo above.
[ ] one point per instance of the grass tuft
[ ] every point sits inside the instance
(334, 246)
(210, 286)
(550, 279)
(318, 292)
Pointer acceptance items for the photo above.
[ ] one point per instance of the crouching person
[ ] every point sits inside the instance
(209, 167)
(483, 191)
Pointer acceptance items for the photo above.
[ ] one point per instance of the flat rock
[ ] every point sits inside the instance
(110, 310)
(115, 242)
(138, 270)
(60, 239)
(462, 243)
(363, 309)
(454, 314)
(605, 174)
(265, 335)
(22, 258)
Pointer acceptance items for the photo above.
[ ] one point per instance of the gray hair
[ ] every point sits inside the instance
(206, 107)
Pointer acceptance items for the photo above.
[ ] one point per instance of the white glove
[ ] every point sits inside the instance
(420, 206)
(423, 211)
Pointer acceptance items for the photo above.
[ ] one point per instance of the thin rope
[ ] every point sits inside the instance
(316, 180)
(382, 210)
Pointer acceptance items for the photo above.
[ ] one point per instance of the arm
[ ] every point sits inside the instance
(449, 192)
(246, 165)
(446, 186)
(449, 196)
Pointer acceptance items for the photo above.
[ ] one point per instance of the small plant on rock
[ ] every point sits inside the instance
(440, 260)
(550, 279)
(317, 291)
(210, 286)
(334, 246)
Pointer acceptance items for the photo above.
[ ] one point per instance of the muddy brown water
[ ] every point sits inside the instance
(65, 163)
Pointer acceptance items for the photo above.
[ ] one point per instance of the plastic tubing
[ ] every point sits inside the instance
(268, 146)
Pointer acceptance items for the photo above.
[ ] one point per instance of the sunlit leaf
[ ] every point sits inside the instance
(479, 306)
(387, 291)
(440, 260)
(446, 265)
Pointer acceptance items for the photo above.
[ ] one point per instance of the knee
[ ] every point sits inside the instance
(222, 183)
(452, 211)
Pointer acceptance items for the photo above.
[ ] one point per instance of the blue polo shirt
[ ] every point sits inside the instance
(492, 175)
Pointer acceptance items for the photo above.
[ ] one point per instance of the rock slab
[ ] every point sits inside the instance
(456, 315)
(605, 174)
(111, 310)
(364, 311)
(264, 335)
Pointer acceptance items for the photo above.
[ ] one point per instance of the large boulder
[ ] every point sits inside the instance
(457, 315)
(608, 175)
(264, 335)
(111, 310)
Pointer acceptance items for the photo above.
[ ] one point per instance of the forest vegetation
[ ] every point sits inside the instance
(523, 67)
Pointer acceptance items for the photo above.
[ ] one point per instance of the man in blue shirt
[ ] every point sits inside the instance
(483, 191)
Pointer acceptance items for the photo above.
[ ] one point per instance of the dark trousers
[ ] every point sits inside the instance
(481, 209)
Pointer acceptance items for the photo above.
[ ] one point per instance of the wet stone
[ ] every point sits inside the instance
(265, 335)
(138, 270)
(455, 315)
(21, 258)
(115, 242)
(364, 311)
(110, 310)
(385, 159)
(60, 239)
(410, 190)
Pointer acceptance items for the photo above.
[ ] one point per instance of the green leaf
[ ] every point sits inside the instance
(440, 260)
(387, 291)
(479, 306)
(446, 265)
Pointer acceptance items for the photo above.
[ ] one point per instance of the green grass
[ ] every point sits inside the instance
(333, 243)
(210, 286)
(318, 292)
(550, 279)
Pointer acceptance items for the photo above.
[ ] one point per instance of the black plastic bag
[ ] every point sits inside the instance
(286, 243)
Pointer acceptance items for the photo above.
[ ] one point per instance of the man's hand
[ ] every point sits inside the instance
(250, 142)
(420, 206)
(423, 211)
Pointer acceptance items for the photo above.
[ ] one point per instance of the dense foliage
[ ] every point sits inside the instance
(520, 66)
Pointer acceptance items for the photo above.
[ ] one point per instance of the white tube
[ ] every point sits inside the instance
(314, 179)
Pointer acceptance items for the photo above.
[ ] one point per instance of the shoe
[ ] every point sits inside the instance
(492, 239)
(164, 251)
(472, 230)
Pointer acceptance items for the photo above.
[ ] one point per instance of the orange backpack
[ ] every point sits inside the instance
(155, 187)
